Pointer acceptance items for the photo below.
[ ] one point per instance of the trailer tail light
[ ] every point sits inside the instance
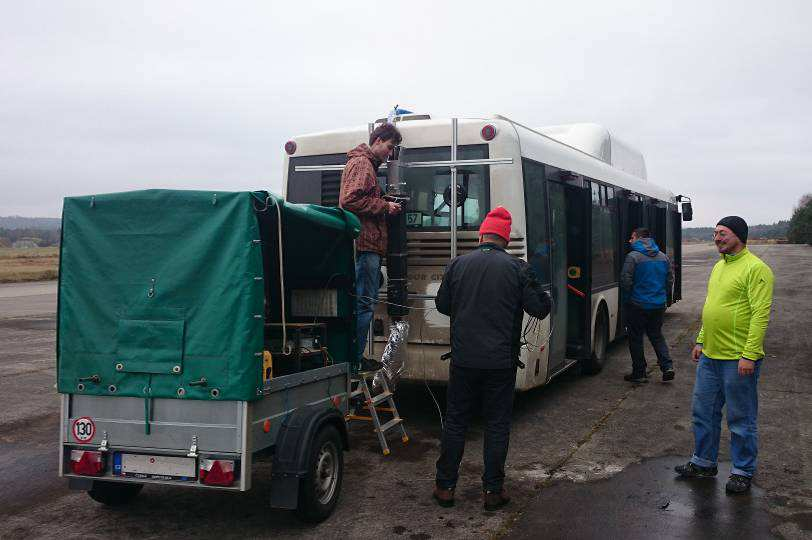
(488, 132)
(217, 472)
(86, 462)
(290, 147)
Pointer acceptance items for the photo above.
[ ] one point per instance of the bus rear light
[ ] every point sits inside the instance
(290, 147)
(488, 132)
(217, 472)
(86, 462)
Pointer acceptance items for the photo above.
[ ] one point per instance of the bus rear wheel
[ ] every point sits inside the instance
(597, 359)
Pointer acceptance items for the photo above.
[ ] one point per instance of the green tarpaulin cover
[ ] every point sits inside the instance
(160, 289)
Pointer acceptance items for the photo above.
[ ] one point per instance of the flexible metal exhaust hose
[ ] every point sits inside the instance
(393, 358)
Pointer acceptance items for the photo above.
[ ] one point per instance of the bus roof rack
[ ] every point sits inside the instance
(405, 118)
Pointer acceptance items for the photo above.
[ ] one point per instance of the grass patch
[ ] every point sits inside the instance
(30, 264)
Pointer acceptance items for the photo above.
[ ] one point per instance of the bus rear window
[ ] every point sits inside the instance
(428, 187)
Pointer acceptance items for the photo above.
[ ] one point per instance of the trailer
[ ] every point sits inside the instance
(199, 332)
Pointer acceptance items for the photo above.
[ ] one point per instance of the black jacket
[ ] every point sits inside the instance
(485, 293)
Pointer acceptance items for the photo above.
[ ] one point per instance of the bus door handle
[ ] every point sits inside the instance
(582, 294)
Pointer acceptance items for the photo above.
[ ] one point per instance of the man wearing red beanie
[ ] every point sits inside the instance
(486, 293)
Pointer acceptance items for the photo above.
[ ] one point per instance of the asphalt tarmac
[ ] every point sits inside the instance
(590, 457)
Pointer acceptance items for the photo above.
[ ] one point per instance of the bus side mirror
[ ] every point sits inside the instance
(685, 204)
(687, 212)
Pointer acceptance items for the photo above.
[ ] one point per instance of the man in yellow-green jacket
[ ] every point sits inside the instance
(729, 351)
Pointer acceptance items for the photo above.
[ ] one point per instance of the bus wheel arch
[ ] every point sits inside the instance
(600, 341)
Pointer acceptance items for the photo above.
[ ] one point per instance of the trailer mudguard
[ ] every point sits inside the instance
(293, 446)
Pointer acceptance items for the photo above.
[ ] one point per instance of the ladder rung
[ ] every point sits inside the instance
(390, 424)
(357, 392)
(383, 396)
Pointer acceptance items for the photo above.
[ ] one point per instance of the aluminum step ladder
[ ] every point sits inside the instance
(374, 407)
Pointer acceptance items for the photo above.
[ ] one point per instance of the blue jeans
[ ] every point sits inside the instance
(718, 383)
(646, 322)
(367, 283)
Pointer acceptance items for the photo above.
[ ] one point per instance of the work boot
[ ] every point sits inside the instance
(368, 364)
(737, 484)
(668, 375)
(494, 500)
(637, 379)
(360, 409)
(444, 497)
(690, 470)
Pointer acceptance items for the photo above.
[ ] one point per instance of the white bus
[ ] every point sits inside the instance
(575, 193)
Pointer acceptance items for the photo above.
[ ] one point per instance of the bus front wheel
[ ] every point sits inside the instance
(597, 359)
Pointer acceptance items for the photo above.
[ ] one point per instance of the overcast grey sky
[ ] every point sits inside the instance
(119, 95)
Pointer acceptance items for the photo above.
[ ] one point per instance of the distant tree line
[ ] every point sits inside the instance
(775, 231)
(800, 225)
(42, 237)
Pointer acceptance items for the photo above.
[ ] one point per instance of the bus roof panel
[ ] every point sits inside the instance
(587, 149)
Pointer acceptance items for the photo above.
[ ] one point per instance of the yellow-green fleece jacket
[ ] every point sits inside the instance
(737, 308)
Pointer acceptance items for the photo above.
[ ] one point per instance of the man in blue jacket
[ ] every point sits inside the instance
(646, 276)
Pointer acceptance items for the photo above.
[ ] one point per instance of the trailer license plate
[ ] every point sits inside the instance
(158, 467)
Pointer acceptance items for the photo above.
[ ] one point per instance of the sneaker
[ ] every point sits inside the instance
(494, 500)
(668, 375)
(368, 364)
(637, 379)
(690, 470)
(737, 484)
(444, 497)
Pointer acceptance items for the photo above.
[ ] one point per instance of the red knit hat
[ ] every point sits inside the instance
(497, 222)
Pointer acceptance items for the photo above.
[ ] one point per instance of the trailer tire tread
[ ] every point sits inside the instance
(310, 508)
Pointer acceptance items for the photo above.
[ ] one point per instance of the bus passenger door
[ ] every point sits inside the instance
(558, 277)
(630, 212)
(676, 261)
(579, 270)
(570, 264)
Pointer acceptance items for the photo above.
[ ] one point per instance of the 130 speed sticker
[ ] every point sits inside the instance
(83, 429)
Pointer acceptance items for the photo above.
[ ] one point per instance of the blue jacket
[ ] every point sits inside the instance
(646, 275)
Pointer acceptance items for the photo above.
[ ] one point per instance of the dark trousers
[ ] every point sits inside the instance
(492, 389)
(646, 322)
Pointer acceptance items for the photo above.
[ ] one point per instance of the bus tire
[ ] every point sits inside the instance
(594, 364)
(114, 493)
(320, 488)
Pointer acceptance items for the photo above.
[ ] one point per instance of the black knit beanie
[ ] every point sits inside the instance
(737, 225)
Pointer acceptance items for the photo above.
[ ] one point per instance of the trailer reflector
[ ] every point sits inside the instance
(217, 472)
(87, 462)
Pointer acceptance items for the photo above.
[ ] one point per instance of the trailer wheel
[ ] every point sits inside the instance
(320, 488)
(597, 359)
(114, 493)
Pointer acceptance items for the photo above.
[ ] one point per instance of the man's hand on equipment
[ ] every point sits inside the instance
(697, 352)
(746, 367)
(394, 208)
